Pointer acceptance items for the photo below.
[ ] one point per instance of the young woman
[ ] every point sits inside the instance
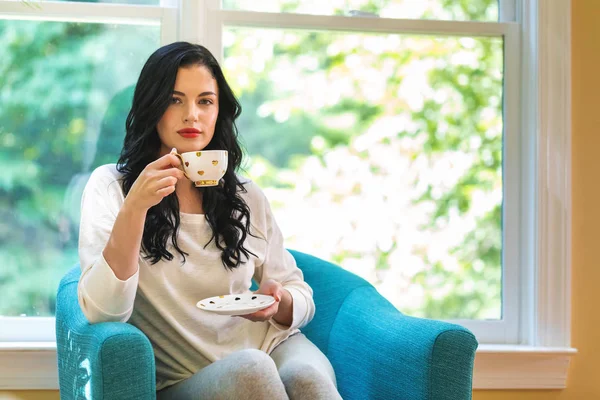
(152, 245)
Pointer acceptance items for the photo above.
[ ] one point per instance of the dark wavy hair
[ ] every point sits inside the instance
(225, 211)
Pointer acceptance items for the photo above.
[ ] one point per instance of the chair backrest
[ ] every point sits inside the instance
(331, 285)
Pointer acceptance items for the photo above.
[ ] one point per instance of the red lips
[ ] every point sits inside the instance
(189, 132)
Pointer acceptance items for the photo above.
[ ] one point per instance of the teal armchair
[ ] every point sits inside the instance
(376, 351)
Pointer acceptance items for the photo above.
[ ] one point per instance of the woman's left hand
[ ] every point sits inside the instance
(273, 288)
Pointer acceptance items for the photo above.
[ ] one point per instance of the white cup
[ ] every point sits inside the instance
(205, 167)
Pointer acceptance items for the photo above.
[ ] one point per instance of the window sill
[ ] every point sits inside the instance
(32, 366)
(521, 367)
(28, 366)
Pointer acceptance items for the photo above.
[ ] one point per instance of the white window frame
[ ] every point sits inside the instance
(535, 329)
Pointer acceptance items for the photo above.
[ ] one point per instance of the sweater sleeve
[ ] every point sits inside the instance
(280, 265)
(102, 296)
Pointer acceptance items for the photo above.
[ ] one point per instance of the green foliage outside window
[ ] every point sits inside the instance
(65, 89)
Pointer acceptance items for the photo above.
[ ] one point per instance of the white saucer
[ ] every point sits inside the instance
(236, 304)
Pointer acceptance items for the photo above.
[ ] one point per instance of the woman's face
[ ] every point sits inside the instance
(189, 122)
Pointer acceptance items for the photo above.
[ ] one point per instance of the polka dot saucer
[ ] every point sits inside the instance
(236, 304)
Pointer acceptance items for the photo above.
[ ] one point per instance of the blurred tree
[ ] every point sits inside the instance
(56, 81)
(281, 122)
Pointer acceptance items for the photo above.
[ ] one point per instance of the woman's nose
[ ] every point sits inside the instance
(191, 113)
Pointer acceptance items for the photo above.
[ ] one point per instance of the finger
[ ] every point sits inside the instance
(268, 312)
(262, 315)
(274, 290)
(165, 191)
(176, 172)
(276, 293)
(166, 161)
(166, 181)
(269, 286)
(253, 317)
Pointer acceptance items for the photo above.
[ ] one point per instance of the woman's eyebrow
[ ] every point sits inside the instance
(200, 95)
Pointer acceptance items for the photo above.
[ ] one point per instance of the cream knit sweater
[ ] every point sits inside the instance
(161, 299)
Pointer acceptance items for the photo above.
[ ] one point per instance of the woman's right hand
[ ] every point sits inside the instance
(155, 182)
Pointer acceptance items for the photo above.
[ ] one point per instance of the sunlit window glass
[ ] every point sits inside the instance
(65, 92)
(382, 153)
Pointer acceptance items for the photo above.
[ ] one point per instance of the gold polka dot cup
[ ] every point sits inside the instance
(205, 167)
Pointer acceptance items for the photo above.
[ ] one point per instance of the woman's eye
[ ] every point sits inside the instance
(205, 101)
(175, 100)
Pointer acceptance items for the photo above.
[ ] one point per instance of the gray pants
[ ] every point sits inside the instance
(296, 369)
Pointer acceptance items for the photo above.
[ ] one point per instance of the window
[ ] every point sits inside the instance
(397, 138)
(54, 136)
(394, 140)
(391, 134)
(67, 85)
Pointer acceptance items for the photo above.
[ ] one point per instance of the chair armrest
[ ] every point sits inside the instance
(379, 353)
(110, 360)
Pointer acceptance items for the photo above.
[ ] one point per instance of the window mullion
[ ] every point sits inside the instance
(507, 10)
(213, 32)
(82, 12)
(169, 26)
(512, 230)
(355, 24)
